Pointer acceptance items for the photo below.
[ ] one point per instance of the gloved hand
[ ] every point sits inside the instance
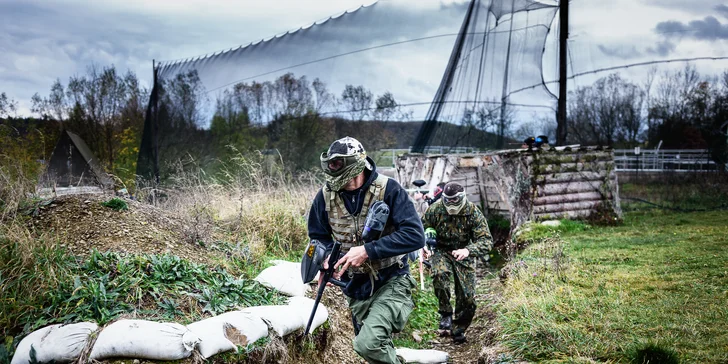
(431, 237)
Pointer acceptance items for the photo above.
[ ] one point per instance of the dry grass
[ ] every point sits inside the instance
(250, 202)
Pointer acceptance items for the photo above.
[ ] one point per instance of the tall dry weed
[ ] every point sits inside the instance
(251, 201)
(19, 167)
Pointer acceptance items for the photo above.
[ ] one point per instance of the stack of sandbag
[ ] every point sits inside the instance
(54, 343)
(144, 340)
(423, 356)
(284, 277)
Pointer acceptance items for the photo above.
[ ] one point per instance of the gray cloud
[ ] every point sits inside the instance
(620, 51)
(662, 48)
(709, 29)
(722, 9)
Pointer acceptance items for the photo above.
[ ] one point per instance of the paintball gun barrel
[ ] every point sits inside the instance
(315, 253)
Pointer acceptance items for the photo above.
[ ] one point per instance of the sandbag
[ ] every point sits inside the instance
(282, 319)
(226, 331)
(423, 356)
(303, 306)
(285, 277)
(144, 340)
(58, 343)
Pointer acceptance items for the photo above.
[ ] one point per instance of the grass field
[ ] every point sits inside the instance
(657, 284)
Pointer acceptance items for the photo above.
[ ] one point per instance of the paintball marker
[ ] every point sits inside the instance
(311, 263)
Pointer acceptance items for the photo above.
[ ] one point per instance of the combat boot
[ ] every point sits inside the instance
(445, 322)
(458, 337)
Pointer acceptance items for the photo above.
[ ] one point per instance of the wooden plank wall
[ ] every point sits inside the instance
(565, 183)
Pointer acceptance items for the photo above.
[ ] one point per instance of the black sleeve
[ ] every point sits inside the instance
(318, 222)
(408, 234)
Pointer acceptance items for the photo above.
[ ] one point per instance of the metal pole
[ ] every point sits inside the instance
(561, 129)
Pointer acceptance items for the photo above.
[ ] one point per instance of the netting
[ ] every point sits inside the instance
(451, 66)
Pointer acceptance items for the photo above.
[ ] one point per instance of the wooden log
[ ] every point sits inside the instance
(570, 197)
(572, 176)
(566, 206)
(566, 188)
(583, 157)
(573, 214)
(571, 167)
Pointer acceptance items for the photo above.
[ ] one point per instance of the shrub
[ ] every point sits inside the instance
(654, 353)
(116, 204)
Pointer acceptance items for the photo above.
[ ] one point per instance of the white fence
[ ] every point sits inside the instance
(673, 160)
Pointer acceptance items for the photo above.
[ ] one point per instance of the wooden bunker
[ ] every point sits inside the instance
(564, 182)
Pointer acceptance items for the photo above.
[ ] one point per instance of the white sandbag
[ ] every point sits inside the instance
(249, 327)
(212, 334)
(285, 277)
(282, 319)
(58, 343)
(304, 305)
(144, 340)
(226, 331)
(423, 356)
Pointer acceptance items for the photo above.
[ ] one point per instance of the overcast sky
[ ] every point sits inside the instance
(41, 40)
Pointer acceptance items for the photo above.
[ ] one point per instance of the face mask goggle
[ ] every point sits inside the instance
(336, 164)
(453, 200)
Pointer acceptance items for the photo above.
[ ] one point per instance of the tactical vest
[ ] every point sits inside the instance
(347, 229)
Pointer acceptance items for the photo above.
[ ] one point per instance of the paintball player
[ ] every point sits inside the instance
(377, 276)
(460, 234)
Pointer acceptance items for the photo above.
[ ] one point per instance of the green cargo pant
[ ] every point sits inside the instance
(381, 315)
(444, 265)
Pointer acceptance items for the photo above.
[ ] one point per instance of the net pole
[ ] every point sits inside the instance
(504, 95)
(561, 130)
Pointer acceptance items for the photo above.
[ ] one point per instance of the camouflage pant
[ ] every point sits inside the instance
(444, 265)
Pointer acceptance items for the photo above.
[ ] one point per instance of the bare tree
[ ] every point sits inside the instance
(8, 106)
(357, 101)
(608, 112)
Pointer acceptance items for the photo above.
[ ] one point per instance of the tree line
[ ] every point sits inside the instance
(682, 109)
(291, 117)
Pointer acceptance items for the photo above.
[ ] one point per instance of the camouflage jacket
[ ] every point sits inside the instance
(469, 229)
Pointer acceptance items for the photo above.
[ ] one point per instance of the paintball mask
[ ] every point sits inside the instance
(344, 160)
(453, 197)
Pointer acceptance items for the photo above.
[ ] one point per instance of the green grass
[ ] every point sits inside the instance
(424, 318)
(659, 281)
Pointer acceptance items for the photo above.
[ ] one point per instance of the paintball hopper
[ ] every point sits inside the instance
(312, 261)
(419, 183)
(375, 222)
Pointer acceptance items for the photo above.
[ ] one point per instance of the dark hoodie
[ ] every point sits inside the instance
(408, 234)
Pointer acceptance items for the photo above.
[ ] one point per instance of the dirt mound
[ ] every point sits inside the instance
(81, 223)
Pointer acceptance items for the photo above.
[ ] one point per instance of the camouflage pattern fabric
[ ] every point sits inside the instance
(468, 229)
(445, 266)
